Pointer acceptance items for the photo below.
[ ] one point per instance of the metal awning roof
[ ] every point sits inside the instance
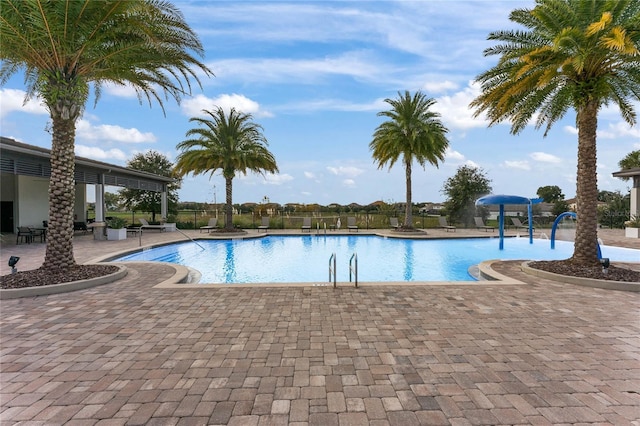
(28, 160)
(627, 172)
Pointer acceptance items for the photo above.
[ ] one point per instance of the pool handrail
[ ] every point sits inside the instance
(353, 267)
(332, 269)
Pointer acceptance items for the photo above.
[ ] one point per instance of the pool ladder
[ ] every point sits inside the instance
(353, 269)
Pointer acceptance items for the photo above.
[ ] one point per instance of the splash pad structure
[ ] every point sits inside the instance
(501, 200)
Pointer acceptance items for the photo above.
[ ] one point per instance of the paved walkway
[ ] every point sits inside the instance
(128, 353)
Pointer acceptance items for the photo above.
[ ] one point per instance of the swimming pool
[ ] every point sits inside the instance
(282, 259)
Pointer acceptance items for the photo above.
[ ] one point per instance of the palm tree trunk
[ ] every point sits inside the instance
(585, 250)
(408, 212)
(59, 252)
(228, 207)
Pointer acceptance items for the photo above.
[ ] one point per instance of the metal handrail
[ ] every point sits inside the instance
(180, 231)
(332, 269)
(353, 267)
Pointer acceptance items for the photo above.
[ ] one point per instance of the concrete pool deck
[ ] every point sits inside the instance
(129, 353)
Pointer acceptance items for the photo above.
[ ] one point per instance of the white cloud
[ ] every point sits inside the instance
(12, 100)
(349, 183)
(100, 154)
(450, 154)
(348, 171)
(543, 157)
(439, 86)
(279, 179)
(194, 106)
(521, 165)
(107, 132)
(619, 129)
(455, 112)
(571, 130)
(121, 91)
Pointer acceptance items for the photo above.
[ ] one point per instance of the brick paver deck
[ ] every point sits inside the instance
(128, 353)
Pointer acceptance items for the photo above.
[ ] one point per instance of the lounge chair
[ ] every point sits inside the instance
(516, 222)
(351, 224)
(213, 224)
(444, 225)
(306, 224)
(480, 224)
(265, 224)
(393, 223)
(145, 225)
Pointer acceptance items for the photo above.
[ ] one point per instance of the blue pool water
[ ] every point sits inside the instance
(306, 258)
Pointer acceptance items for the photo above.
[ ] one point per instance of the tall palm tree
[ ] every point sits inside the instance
(231, 143)
(63, 47)
(412, 133)
(574, 54)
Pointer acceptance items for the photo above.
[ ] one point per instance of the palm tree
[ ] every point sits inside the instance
(64, 46)
(575, 54)
(233, 144)
(412, 132)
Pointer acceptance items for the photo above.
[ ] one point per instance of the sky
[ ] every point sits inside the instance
(315, 75)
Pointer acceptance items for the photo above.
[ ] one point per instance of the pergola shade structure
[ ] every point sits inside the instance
(20, 159)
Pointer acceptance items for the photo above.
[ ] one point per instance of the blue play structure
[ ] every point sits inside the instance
(555, 225)
(501, 200)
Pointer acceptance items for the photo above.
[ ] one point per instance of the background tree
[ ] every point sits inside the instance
(606, 196)
(231, 143)
(550, 194)
(111, 201)
(150, 201)
(571, 54)
(616, 211)
(412, 133)
(559, 207)
(64, 46)
(630, 161)
(462, 190)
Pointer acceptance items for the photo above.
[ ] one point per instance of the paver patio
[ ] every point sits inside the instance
(128, 353)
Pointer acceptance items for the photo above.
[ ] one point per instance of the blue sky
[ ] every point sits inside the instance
(315, 75)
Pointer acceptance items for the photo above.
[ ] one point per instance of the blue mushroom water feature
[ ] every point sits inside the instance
(501, 200)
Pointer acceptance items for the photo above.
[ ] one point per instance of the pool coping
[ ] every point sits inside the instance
(178, 280)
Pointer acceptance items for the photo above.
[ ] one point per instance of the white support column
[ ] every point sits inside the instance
(164, 203)
(635, 197)
(99, 224)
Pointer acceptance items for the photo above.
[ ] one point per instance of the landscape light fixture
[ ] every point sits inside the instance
(605, 264)
(13, 260)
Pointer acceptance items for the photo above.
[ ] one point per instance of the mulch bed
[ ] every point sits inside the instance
(42, 277)
(564, 267)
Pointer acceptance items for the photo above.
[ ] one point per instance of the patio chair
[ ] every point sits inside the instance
(444, 225)
(213, 224)
(25, 234)
(265, 224)
(480, 225)
(393, 223)
(80, 226)
(516, 222)
(351, 224)
(306, 224)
